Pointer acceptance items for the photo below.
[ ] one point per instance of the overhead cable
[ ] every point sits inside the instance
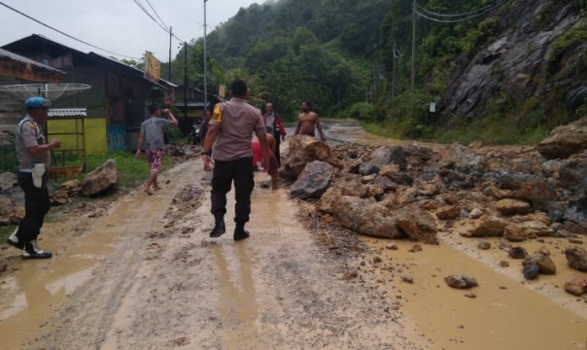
(156, 14)
(63, 33)
(141, 6)
(464, 14)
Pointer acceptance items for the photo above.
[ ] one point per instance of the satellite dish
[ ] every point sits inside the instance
(52, 92)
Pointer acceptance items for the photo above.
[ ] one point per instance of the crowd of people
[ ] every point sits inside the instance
(228, 150)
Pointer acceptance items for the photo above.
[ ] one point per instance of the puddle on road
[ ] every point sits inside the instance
(504, 315)
(273, 215)
(37, 288)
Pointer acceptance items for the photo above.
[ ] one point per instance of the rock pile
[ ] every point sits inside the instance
(413, 190)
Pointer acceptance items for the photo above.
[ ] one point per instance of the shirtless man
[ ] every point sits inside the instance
(307, 120)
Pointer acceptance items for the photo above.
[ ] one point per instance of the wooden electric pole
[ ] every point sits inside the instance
(170, 37)
(413, 49)
(185, 79)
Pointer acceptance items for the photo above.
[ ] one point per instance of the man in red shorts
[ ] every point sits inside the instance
(259, 162)
(152, 131)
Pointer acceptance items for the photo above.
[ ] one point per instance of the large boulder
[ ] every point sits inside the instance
(462, 158)
(488, 227)
(512, 207)
(8, 180)
(565, 140)
(313, 181)
(539, 194)
(101, 179)
(418, 224)
(389, 155)
(67, 190)
(365, 216)
(304, 149)
(577, 258)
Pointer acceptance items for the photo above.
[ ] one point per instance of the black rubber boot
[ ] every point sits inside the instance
(31, 251)
(240, 233)
(219, 227)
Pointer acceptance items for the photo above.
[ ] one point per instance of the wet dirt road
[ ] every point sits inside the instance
(146, 276)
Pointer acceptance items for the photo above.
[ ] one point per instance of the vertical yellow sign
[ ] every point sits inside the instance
(152, 67)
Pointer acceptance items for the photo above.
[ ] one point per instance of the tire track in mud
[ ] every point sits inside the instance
(86, 317)
(169, 286)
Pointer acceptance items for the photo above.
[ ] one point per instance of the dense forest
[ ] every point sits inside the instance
(499, 71)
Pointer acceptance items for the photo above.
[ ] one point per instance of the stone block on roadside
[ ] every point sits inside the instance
(510, 207)
(313, 180)
(101, 179)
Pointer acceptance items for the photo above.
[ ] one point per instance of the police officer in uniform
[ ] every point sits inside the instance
(33, 153)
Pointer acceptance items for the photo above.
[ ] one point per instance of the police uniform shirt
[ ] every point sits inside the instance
(29, 134)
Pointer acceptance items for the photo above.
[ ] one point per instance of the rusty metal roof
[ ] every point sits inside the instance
(18, 58)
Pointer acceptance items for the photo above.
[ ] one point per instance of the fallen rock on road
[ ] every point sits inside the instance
(461, 281)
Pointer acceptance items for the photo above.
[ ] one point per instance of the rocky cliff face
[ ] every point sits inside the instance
(536, 59)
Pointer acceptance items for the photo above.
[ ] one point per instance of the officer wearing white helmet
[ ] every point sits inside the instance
(33, 153)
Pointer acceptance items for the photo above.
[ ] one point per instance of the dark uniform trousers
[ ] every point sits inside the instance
(241, 171)
(36, 204)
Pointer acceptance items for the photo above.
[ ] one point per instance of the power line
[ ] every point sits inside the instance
(156, 14)
(141, 6)
(464, 14)
(452, 17)
(63, 33)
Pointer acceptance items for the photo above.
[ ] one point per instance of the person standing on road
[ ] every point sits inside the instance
(234, 122)
(204, 126)
(275, 128)
(307, 121)
(33, 153)
(259, 161)
(152, 131)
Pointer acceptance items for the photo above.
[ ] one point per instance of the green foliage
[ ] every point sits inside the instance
(479, 36)
(6, 231)
(8, 161)
(362, 111)
(573, 37)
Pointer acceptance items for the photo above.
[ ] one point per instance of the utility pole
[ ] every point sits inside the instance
(170, 37)
(205, 63)
(393, 72)
(185, 79)
(413, 49)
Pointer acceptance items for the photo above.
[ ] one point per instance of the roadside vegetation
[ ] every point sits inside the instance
(339, 54)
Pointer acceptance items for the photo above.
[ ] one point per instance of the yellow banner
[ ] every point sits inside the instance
(152, 68)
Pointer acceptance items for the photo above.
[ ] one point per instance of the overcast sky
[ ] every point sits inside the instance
(117, 25)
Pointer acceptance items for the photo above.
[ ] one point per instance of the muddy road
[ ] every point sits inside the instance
(143, 274)
(146, 276)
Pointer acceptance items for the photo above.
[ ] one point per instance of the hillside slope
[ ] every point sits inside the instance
(521, 66)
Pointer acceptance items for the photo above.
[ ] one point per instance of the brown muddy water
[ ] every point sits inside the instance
(505, 314)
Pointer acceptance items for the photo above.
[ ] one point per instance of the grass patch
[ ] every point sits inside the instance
(131, 171)
(6, 231)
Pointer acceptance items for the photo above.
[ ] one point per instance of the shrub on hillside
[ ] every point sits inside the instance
(362, 111)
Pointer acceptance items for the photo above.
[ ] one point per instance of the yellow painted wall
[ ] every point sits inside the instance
(95, 134)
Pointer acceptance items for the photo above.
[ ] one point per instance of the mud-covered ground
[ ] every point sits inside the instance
(142, 273)
(147, 276)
